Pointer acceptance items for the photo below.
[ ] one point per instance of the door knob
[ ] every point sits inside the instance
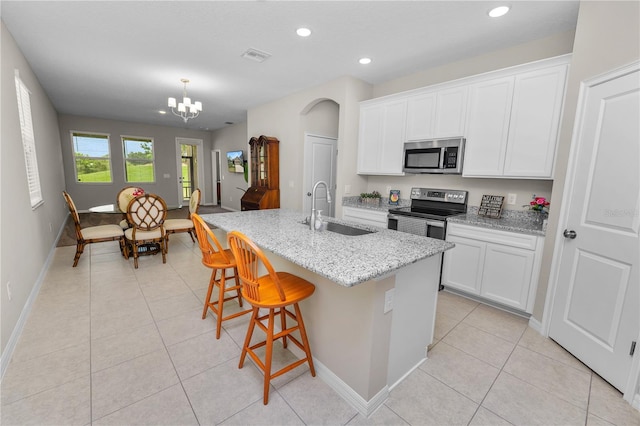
(308, 194)
(571, 234)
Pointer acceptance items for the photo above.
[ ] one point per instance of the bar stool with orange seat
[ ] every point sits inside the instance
(218, 259)
(273, 291)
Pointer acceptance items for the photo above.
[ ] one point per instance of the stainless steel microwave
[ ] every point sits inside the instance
(434, 156)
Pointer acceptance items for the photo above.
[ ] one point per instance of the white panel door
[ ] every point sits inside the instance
(320, 165)
(596, 302)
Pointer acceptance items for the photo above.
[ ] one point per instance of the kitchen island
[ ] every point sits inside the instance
(372, 315)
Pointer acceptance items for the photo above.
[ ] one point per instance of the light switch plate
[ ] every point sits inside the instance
(388, 300)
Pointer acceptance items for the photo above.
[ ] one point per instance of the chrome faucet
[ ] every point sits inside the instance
(312, 218)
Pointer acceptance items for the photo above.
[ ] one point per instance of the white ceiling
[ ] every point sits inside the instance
(122, 59)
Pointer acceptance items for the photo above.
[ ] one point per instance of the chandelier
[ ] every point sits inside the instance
(186, 109)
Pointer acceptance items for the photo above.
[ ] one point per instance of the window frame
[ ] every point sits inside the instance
(73, 133)
(23, 101)
(125, 161)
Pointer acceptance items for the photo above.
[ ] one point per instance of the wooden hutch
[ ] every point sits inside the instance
(264, 192)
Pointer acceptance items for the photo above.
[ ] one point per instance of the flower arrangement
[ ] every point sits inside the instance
(137, 192)
(538, 204)
(370, 198)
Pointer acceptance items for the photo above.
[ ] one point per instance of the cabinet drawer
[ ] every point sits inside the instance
(512, 239)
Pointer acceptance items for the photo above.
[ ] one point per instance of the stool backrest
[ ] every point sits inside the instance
(205, 238)
(194, 202)
(249, 257)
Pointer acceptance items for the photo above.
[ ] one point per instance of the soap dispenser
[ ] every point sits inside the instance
(318, 223)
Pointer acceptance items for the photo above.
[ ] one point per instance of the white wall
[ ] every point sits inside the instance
(166, 162)
(231, 138)
(28, 235)
(283, 120)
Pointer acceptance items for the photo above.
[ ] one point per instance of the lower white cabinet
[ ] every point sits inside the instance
(365, 216)
(495, 265)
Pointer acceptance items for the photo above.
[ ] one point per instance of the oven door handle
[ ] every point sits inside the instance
(435, 223)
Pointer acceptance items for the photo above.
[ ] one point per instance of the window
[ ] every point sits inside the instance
(28, 142)
(92, 157)
(138, 159)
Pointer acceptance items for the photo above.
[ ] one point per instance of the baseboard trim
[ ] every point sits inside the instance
(636, 402)
(536, 325)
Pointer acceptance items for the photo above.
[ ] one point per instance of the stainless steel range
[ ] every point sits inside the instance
(428, 212)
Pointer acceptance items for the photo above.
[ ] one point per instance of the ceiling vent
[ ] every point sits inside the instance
(256, 55)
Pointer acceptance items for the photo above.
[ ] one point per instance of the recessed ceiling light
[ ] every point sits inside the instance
(364, 61)
(498, 11)
(303, 32)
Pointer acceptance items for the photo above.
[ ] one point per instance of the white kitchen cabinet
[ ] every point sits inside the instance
(381, 137)
(513, 123)
(535, 121)
(436, 114)
(488, 127)
(496, 265)
(365, 216)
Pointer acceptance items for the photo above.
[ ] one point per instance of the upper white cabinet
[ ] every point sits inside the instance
(381, 137)
(436, 114)
(510, 119)
(513, 123)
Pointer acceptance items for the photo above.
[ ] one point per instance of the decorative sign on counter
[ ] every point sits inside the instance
(491, 206)
(394, 197)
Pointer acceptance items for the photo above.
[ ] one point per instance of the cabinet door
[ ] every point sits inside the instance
(488, 127)
(462, 266)
(535, 119)
(370, 137)
(421, 113)
(507, 275)
(381, 138)
(451, 108)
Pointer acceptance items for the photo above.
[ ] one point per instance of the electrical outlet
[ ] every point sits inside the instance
(511, 199)
(8, 290)
(388, 300)
(347, 189)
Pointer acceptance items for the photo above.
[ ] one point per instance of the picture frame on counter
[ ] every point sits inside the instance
(394, 197)
(491, 206)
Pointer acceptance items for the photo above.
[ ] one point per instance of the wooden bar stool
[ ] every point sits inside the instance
(218, 259)
(273, 291)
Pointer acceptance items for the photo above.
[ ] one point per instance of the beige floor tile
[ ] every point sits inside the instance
(482, 345)
(167, 407)
(606, 402)
(444, 324)
(185, 326)
(536, 342)
(382, 416)
(223, 391)
(552, 376)
(108, 295)
(109, 320)
(422, 400)
(165, 288)
(454, 306)
(523, 404)
(202, 352)
(131, 381)
(154, 270)
(124, 346)
(30, 377)
(499, 323)
(67, 404)
(597, 421)
(460, 371)
(277, 412)
(484, 417)
(174, 306)
(315, 402)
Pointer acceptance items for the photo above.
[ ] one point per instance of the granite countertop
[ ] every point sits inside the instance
(346, 260)
(383, 205)
(511, 220)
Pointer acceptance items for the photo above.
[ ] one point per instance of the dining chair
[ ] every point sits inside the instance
(222, 260)
(124, 197)
(171, 226)
(91, 234)
(273, 292)
(146, 214)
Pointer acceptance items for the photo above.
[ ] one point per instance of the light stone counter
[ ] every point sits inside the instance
(346, 260)
(511, 220)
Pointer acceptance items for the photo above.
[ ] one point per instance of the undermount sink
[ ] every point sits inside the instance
(339, 228)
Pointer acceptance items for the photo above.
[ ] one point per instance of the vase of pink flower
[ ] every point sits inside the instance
(540, 207)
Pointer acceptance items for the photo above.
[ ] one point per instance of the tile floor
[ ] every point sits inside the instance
(106, 344)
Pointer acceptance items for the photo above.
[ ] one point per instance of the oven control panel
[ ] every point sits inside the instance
(444, 195)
